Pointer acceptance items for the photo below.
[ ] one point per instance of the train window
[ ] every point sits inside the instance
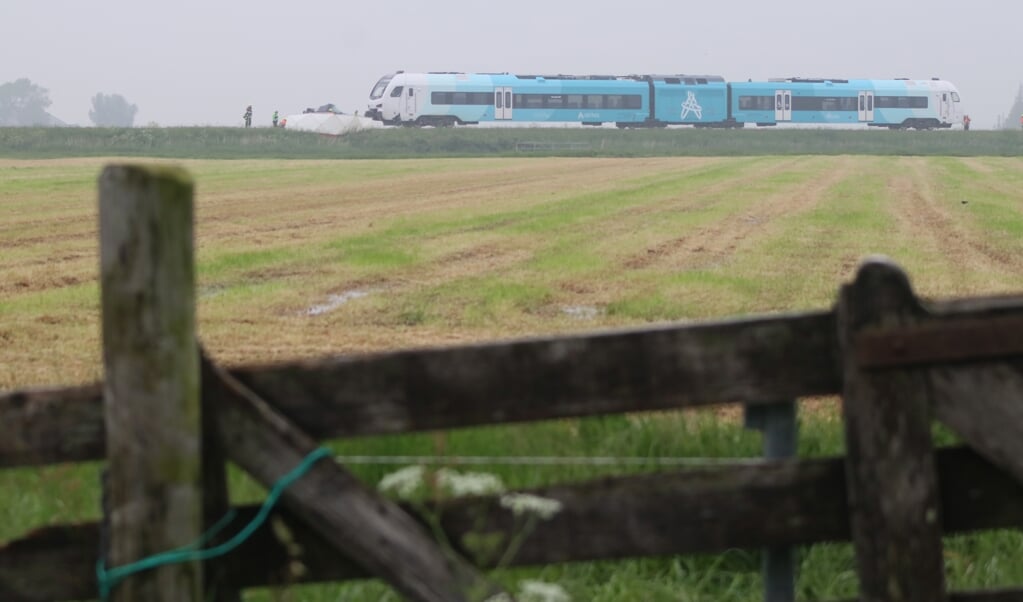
(410, 91)
(574, 101)
(555, 101)
(508, 99)
(672, 80)
(863, 103)
(461, 98)
(870, 103)
(499, 100)
(396, 92)
(756, 103)
(826, 103)
(944, 98)
(378, 90)
(531, 101)
(593, 101)
(955, 97)
(901, 102)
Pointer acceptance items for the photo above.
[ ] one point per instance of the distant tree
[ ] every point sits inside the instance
(1012, 119)
(112, 110)
(23, 103)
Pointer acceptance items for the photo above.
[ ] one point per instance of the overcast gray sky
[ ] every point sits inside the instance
(200, 63)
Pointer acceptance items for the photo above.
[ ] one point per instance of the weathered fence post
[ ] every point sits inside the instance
(151, 385)
(778, 423)
(890, 472)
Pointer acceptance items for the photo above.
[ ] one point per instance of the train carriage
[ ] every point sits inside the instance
(699, 100)
(444, 99)
(920, 104)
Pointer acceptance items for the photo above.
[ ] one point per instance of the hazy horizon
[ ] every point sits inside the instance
(192, 63)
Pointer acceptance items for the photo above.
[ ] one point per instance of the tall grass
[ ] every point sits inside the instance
(239, 143)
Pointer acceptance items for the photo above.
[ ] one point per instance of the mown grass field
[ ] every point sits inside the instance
(312, 257)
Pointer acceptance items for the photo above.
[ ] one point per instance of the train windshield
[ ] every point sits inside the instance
(378, 90)
(955, 96)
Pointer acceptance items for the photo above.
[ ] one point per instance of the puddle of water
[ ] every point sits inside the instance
(334, 302)
(581, 312)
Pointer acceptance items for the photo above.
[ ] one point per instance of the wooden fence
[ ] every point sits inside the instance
(166, 418)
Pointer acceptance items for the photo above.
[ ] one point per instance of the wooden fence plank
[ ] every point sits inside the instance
(802, 502)
(216, 505)
(581, 375)
(943, 340)
(151, 360)
(353, 518)
(44, 426)
(386, 393)
(47, 426)
(984, 405)
(892, 481)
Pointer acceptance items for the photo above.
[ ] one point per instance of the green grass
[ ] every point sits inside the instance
(568, 246)
(239, 143)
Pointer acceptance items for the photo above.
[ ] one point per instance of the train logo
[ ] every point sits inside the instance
(691, 106)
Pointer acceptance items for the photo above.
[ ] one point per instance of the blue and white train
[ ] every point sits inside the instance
(447, 99)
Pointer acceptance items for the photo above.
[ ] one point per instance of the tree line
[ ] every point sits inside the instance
(1014, 120)
(24, 103)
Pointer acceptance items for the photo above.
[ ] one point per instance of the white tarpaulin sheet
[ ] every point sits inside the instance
(334, 124)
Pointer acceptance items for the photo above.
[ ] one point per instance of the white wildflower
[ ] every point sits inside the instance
(539, 591)
(404, 481)
(501, 597)
(469, 483)
(527, 503)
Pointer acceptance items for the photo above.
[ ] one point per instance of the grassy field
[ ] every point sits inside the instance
(391, 143)
(312, 257)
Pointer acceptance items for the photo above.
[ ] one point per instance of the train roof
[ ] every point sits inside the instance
(845, 80)
(564, 76)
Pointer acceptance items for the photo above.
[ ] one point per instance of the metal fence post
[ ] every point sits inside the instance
(777, 421)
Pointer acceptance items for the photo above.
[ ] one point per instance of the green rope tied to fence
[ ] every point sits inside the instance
(109, 578)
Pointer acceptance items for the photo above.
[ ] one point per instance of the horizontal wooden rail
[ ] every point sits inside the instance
(750, 360)
(582, 375)
(679, 512)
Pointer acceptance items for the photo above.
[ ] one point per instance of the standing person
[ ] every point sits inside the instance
(966, 123)
(248, 116)
(1021, 121)
(275, 118)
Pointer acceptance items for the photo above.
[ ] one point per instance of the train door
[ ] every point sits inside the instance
(945, 108)
(503, 102)
(410, 104)
(783, 105)
(866, 106)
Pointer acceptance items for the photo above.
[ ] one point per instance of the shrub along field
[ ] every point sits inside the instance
(303, 258)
